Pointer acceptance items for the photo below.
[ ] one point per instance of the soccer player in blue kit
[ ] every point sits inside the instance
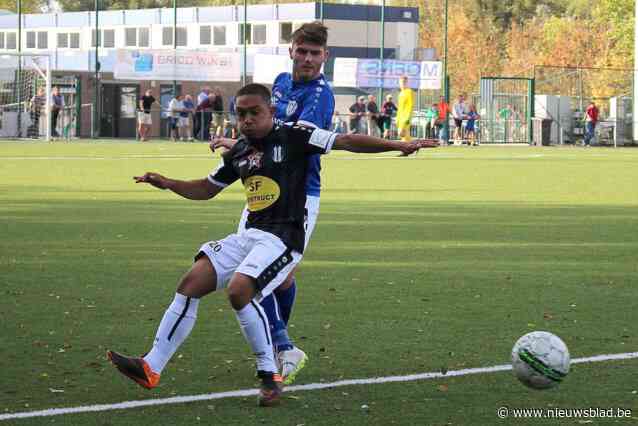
(303, 97)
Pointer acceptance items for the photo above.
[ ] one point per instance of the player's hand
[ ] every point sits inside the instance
(155, 179)
(217, 142)
(427, 143)
(409, 148)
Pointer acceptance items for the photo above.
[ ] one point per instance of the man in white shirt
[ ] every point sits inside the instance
(175, 107)
(459, 111)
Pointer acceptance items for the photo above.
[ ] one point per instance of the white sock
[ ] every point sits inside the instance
(254, 325)
(176, 325)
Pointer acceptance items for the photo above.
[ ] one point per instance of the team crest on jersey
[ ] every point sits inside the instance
(291, 108)
(254, 160)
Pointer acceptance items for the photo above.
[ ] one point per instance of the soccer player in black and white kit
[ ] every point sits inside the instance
(271, 162)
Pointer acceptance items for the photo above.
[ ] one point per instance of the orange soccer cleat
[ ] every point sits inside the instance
(135, 369)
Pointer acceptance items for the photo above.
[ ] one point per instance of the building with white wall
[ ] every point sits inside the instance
(70, 41)
(355, 31)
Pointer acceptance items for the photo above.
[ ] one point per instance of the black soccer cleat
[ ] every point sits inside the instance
(270, 390)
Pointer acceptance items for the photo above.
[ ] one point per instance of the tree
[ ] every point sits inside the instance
(28, 6)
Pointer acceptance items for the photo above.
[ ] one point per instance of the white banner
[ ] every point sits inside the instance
(345, 72)
(431, 75)
(268, 67)
(355, 72)
(176, 65)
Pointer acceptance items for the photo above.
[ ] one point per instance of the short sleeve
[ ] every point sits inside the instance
(223, 175)
(321, 141)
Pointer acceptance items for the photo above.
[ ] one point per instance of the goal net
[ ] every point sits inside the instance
(25, 96)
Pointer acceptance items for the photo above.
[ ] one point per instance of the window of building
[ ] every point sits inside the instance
(66, 40)
(204, 34)
(99, 38)
(63, 40)
(259, 34)
(109, 38)
(219, 36)
(11, 41)
(1, 40)
(74, 41)
(106, 38)
(143, 37)
(248, 36)
(130, 37)
(167, 36)
(43, 40)
(285, 32)
(182, 36)
(30, 39)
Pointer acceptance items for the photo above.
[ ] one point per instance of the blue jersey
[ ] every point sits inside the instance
(311, 103)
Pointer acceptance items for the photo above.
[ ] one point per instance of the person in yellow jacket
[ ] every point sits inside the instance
(404, 113)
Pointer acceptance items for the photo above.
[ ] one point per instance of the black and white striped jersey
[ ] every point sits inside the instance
(273, 171)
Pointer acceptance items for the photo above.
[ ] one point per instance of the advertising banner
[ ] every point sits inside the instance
(176, 65)
(352, 72)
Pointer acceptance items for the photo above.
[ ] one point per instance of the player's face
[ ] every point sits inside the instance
(307, 59)
(254, 116)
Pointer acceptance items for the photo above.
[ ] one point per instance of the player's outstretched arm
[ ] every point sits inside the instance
(369, 144)
(199, 189)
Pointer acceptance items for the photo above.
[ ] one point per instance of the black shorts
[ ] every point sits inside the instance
(458, 122)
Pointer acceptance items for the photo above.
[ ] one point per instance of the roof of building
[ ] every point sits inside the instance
(221, 14)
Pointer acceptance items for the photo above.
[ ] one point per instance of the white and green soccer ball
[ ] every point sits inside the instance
(540, 360)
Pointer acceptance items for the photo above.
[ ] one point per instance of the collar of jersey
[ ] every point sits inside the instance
(306, 83)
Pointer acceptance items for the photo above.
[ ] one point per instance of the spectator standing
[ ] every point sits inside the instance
(186, 117)
(144, 115)
(357, 112)
(458, 113)
(203, 115)
(232, 118)
(339, 126)
(175, 108)
(372, 110)
(470, 125)
(57, 103)
(505, 115)
(388, 109)
(431, 118)
(444, 112)
(404, 112)
(591, 119)
(218, 112)
(37, 110)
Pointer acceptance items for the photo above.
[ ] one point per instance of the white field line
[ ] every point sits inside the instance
(297, 388)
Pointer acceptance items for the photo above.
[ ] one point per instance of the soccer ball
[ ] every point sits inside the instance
(540, 360)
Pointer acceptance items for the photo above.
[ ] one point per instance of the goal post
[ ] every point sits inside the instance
(25, 96)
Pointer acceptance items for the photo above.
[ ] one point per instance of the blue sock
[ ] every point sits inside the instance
(278, 330)
(286, 299)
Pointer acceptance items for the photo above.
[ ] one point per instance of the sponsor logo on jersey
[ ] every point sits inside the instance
(261, 192)
(291, 108)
